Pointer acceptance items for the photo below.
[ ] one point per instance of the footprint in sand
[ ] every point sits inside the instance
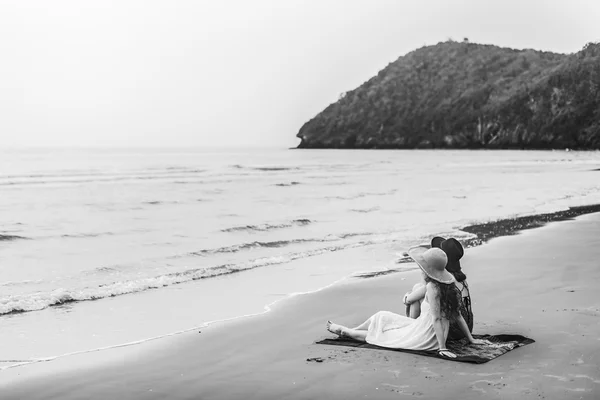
(590, 311)
(484, 386)
(402, 389)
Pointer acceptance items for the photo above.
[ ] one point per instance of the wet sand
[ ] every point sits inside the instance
(541, 283)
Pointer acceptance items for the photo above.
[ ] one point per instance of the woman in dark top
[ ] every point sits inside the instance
(454, 251)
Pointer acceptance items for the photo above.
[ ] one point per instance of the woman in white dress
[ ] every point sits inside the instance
(430, 330)
(454, 251)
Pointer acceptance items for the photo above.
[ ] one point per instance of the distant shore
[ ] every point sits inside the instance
(445, 148)
(467, 96)
(320, 146)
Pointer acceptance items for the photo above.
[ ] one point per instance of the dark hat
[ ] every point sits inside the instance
(437, 242)
(454, 251)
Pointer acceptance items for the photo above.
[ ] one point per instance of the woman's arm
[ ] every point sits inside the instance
(462, 324)
(416, 295)
(433, 297)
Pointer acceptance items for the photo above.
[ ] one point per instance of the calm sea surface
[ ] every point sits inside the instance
(166, 240)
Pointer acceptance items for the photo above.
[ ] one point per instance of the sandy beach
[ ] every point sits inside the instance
(197, 198)
(540, 283)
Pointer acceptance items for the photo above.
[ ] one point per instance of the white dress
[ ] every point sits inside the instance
(399, 332)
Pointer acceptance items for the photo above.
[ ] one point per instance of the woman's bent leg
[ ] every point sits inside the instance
(415, 310)
(343, 331)
(355, 334)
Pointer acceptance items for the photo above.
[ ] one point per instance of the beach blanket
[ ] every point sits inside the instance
(500, 344)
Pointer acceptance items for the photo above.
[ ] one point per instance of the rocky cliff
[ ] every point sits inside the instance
(466, 95)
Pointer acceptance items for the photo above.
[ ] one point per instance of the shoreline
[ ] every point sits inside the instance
(484, 232)
(442, 148)
(268, 356)
(208, 324)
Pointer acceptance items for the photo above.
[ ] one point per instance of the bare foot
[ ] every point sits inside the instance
(335, 328)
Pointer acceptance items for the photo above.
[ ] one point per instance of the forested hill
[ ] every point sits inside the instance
(467, 95)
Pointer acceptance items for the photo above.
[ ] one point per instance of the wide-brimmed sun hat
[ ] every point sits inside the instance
(432, 262)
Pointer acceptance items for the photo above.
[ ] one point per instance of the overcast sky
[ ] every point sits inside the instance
(229, 72)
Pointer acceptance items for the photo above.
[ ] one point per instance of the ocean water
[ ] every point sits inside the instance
(100, 248)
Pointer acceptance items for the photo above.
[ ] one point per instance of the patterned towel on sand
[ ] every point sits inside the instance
(500, 344)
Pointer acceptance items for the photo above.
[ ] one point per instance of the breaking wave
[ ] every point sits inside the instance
(41, 300)
(268, 227)
(293, 183)
(157, 202)
(256, 245)
(365, 210)
(87, 235)
(11, 237)
(92, 178)
(265, 168)
(360, 195)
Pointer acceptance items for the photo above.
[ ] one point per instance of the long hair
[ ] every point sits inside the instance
(450, 299)
(459, 275)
